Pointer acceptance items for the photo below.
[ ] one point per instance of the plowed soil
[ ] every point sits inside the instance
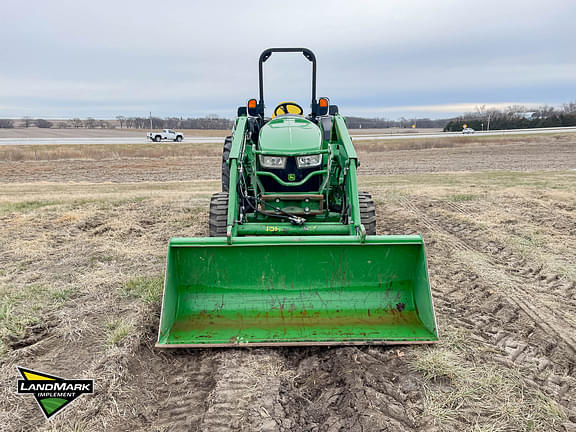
(82, 254)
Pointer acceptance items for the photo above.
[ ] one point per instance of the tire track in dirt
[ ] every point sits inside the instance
(526, 212)
(520, 271)
(185, 392)
(352, 389)
(492, 307)
(290, 389)
(505, 264)
(246, 392)
(221, 390)
(286, 389)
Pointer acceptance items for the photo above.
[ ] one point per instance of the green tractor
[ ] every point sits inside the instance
(293, 257)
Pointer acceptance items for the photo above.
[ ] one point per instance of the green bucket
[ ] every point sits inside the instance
(325, 290)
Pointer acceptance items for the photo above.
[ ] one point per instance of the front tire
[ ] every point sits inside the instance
(218, 214)
(367, 212)
(225, 167)
(178, 139)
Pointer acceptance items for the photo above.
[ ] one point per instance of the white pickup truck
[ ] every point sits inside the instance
(165, 135)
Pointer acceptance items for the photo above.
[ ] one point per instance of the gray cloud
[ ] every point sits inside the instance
(393, 58)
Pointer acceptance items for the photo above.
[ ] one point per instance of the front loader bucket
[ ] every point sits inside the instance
(325, 290)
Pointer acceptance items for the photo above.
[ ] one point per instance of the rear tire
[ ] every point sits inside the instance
(218, 214)
(367, 212)
(225, 167)
(157, 138)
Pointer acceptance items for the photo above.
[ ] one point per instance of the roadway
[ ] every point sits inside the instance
(107, 140)
(377, 137)
(356, 137)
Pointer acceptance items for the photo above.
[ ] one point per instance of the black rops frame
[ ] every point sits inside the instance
(266, 55)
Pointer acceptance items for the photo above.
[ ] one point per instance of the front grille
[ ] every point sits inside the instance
(271, 185)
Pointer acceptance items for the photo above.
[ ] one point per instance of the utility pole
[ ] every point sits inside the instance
(150, 119)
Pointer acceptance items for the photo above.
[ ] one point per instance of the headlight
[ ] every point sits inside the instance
(308, 161)
(273, 161)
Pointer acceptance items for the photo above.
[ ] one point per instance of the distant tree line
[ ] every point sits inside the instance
(41, 123)
(515, 117)
(205, 123)
(382, 123)
(212, 122)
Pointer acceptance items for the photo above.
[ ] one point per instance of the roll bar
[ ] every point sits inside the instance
(266, 55)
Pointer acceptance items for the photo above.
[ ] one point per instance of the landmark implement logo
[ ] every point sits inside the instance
(52, 393)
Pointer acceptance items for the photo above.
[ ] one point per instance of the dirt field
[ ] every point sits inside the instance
(82, 252)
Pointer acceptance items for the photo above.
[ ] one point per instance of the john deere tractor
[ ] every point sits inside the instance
(293, 257)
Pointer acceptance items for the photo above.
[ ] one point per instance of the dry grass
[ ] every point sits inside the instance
(77, 426)
(439, 364)
(549, 240)
(91, 255)
(182, 150)
(498, 396)
(457, 141)
(117, 330)
(105, 151)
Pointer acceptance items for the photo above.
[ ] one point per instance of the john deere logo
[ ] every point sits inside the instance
(291, 177)
(52, 393)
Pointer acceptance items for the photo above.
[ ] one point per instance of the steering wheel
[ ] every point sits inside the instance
(284, 108)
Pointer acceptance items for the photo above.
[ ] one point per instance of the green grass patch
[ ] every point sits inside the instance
(25, 206)
(61, 295)
(15, 319)
(461, 197)
(145, 288)
(117, 330)
(25, 307)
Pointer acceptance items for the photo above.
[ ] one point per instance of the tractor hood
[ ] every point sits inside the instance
(291, 134)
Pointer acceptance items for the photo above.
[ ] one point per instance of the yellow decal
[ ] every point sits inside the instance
(36, 377)
(272, 228)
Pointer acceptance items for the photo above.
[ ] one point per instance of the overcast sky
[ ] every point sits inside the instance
(413, 58)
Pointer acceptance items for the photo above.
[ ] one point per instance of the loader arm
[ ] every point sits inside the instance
(238, 143)
(349, 160)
